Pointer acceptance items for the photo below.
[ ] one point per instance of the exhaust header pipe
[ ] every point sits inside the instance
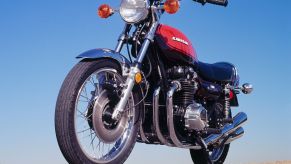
(229, 132)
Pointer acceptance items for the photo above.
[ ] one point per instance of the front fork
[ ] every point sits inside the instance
(134, 69)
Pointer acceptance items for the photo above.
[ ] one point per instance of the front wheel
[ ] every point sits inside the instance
(84, 128)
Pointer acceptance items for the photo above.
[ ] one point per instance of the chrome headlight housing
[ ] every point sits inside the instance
(134, 11)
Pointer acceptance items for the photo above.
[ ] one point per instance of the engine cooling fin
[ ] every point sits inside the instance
(185, 96)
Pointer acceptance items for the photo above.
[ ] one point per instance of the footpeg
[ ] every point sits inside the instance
(213, 131)
(227, 120)
(205, 150)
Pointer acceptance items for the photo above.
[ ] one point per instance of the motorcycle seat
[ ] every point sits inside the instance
(218, 72)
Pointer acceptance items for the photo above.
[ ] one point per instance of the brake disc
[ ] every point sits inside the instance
(107, 129)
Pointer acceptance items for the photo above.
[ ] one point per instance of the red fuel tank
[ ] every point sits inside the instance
(175, 45)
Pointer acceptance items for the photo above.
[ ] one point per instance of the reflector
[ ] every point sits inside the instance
(231, 95)
(171, 6)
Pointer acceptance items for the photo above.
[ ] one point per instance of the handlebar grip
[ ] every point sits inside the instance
(216, 2)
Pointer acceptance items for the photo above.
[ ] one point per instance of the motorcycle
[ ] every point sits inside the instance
(158, 93)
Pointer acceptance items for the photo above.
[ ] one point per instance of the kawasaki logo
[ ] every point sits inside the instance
(180, 40)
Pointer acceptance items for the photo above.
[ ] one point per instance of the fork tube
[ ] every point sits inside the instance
(129, 84)
(149, 37)
(122, 38)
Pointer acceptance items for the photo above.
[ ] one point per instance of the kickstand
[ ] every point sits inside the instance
(204, 149)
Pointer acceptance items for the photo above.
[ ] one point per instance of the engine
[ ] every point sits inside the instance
(195, 117)
(188, 114)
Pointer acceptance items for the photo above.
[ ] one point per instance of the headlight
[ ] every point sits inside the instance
(133, 11)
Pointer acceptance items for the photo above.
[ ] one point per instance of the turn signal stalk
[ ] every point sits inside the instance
(171, 6)
(105, 11)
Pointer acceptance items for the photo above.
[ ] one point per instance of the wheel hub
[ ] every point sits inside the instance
(107, 129)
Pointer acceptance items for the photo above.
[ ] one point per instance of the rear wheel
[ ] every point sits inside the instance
(217, 155)
(84, 128)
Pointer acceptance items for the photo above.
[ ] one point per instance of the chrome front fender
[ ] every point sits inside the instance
(124, 63)
(99, 53)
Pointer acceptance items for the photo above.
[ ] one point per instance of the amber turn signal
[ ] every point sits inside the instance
(138, 77)
(171, 6)
(105, 11)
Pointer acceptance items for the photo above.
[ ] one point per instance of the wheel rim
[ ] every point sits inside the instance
(216, 153)
(101, 139)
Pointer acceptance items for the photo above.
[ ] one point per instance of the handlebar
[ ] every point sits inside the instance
(215, 2)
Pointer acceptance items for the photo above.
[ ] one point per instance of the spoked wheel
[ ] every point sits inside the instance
(84, 128)
(217, 155)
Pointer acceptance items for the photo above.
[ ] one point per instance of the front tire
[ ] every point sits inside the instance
(84, 128)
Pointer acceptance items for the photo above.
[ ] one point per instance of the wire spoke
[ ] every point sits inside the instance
(88, 135)
(92, 81)
(81, 114)
(85, 90)
(86, 101)
(84, 130)
(85, 97)
(91, 143)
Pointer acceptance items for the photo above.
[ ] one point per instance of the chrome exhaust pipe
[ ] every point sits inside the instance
(229, 132)
(156, 119)
(170, 114)
(235, 135)
(170, 119)
(228, 129)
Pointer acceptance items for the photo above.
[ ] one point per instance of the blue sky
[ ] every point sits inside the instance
(39, 40)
